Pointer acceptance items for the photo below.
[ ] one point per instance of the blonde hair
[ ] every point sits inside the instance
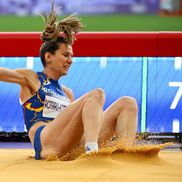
(69, 26)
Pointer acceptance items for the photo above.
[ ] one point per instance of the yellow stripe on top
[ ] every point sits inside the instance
(29, 107)
(39, 97)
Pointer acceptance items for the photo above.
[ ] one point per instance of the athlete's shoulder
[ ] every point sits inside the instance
(68, 92)
(26, 72)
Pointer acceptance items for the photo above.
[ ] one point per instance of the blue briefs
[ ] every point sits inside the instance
(37, 142)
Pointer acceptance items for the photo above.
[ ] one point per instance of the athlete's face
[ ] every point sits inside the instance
(61, 60)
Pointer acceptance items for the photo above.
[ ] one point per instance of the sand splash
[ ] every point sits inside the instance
(150, 150)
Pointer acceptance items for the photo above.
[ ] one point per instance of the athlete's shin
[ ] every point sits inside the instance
(92, 116)
(126, 126)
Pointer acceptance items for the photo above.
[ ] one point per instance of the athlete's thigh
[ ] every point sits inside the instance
(67, 129)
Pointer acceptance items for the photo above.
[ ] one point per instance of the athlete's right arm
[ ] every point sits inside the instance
(24, 77)
(13, 76)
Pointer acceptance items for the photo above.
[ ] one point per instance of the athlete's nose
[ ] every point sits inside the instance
(70, 60)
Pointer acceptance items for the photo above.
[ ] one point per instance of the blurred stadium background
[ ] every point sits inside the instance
(99, 15)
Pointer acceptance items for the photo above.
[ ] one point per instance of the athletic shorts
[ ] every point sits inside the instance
(37, 142)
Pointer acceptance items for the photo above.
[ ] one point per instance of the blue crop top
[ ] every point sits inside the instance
(46, 103)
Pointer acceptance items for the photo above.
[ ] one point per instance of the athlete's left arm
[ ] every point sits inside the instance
(68, 92)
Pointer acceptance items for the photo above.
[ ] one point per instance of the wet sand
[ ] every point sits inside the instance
(18, 165)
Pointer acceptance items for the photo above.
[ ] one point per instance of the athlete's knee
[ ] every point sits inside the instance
(129, 103)
(99, 95)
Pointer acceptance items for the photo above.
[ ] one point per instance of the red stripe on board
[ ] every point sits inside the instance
(98, 44)
(170, 44)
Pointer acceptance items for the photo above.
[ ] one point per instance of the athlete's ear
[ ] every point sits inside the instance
(47, 57)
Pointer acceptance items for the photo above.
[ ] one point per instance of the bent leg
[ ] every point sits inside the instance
(120, 118)
(81, 117)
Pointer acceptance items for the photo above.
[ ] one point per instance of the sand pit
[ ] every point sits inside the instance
(17, 165)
